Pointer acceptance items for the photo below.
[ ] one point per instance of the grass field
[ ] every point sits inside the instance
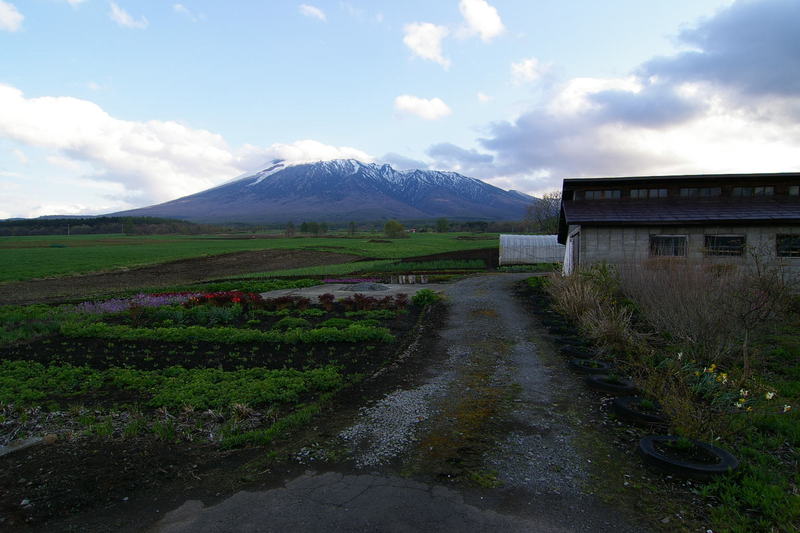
(23, 258)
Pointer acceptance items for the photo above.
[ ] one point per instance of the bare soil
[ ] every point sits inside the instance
(490, 256)
(183, 271)
(124, 483)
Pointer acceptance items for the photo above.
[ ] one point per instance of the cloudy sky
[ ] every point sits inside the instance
(106, 105)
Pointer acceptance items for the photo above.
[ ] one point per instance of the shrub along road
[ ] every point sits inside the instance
(486, 439)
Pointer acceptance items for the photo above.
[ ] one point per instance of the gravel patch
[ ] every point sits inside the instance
(389, 428)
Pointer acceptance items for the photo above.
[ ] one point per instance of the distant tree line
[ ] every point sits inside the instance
(314, 228)
(103, 225)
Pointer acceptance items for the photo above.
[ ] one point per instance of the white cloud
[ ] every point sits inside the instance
(429, 109)
(481, 18)
(575, 95)
(313, 12)
(307, 151)
(75, 3)
(123, 18)
(483, 97)
(20, 155)
(425, 40)
(93, 85)
(526, 71)
(10, 18)
(150, 161)
(185, 11)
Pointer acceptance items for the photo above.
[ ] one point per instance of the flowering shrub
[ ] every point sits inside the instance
(225, 297)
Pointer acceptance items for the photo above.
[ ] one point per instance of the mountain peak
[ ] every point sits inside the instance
(344, 190)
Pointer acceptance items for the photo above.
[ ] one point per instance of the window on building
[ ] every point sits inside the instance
(603, 195)
(724, 244)
(788, 245)
(641, 194)
(701, 191)
(754, 191)
(794, 190)
(668, 245)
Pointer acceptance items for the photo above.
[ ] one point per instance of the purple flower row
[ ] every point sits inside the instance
(117, 305)
(351, 280)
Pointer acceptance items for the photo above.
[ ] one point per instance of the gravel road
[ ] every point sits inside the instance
(481, 442)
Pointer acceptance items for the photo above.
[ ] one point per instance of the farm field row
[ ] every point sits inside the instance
(24, 258)
(179, 372)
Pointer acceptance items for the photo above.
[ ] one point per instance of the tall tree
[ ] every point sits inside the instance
(351, 228)
(542, 216)
(290, 229)
(394, 229)
(442, 225)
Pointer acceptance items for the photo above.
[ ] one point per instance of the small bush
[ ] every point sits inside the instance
(291, 322)
(425, 297)
(337, 323)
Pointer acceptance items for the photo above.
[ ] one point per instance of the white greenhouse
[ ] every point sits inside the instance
(530, 249)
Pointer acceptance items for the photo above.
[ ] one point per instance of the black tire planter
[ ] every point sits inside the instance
(601, 383)
(723, 461)
(554, 320)
(560, 330)
(578, 352)
(589, 366)
(626, 408)
(571, 340)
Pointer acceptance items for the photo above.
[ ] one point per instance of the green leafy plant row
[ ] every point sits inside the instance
(27, 383)
(226, 335)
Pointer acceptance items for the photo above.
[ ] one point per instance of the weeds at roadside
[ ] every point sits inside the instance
(717, 371)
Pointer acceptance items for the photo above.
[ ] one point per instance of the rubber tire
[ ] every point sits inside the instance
(578, 352)
(560, 330)
(726, 462)
(577, 365)
(572, 340)
(622, 407)
(598, 382)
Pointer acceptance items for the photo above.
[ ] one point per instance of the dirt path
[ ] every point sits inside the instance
(178, 272)
(485, 439)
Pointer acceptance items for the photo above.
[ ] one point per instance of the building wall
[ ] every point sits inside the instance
(631, 244)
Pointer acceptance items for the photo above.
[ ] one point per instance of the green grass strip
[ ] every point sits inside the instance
(227, 335)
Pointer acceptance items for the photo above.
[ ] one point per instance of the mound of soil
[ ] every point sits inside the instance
(490, 256)
(165, 274)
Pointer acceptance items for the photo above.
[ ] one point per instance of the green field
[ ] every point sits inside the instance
(23, 258)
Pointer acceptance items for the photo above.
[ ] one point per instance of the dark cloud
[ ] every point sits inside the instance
(753, 47)
(747, 57)
(401, 162)
(468, 162)
(450, 153)
(564, 146)
(655, 106)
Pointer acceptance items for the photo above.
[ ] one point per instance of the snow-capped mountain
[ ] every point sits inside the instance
(343, 190)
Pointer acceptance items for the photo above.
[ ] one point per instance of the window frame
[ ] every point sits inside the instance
(724, 251)
(655, 251)
(792, 253)
(700, 192)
